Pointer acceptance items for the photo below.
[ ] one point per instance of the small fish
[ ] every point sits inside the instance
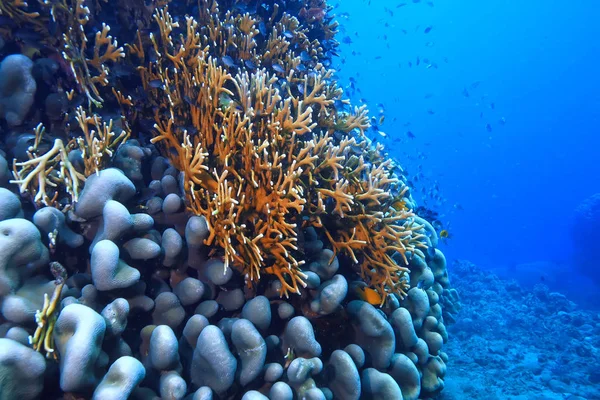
(189, 100)
(304, 56)
(410, 135)
(488, 127)
(502, 121)
(224, 100)
(30, 51)
(399, 205)
(382, 133)
(155, 83)
(278, 68)
(465, 92)
(369, 295)
(381, 119)
(400, 5)
(228, 61)
(121, 70)
(429, 44)
(346, 40)
(430, 111)
(444, 234)
(458, 207)
(250, 65)
(428, 29)
(418, 60)
(28, 36)
(262, 28)
(288, 34)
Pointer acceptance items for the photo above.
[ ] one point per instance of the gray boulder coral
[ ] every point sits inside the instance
(17, 88)
(21, 371)
(151, 311)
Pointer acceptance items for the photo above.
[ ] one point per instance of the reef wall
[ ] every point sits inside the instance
(198, 214)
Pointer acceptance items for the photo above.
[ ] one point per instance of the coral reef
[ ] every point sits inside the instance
(263, 155)
(586, 222)
(516, 343)
(224, 228)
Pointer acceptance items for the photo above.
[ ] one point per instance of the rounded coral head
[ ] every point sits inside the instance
(17, 88)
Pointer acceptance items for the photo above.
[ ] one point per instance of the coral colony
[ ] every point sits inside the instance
(197, 213)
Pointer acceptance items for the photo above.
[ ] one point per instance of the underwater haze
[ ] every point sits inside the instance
(503, 100)
(299, 199)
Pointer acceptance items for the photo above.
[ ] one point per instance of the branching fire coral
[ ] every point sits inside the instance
(97, 145)
(45, 174)
(16, 9)
(72, 16)
(261, 154)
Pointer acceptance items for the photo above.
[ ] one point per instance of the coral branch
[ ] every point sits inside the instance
(44, 172)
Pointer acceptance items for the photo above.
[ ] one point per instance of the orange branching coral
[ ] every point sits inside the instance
(17, 10)
(44, 175)
(22, 15)
(89, 73)
(262, 157)
(359, 119)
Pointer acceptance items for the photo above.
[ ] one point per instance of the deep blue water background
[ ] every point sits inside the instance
(518, 184)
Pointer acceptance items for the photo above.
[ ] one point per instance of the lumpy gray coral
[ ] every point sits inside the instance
(17, 88)
(156, 315)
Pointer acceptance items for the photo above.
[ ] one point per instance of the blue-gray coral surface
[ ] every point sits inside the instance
(198, 214)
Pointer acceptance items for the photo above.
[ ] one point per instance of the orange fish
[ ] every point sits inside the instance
(369, 295)
(399, 205)
(444, 234)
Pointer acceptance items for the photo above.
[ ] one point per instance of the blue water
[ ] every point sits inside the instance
(533, 63)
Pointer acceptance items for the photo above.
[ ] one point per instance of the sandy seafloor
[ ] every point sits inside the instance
(516, 344)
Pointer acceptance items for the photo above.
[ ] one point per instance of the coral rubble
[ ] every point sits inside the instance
(513, 342)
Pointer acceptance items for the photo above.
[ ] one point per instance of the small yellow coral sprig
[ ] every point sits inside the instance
(42, 172)
(42, 339)
(97, 145)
